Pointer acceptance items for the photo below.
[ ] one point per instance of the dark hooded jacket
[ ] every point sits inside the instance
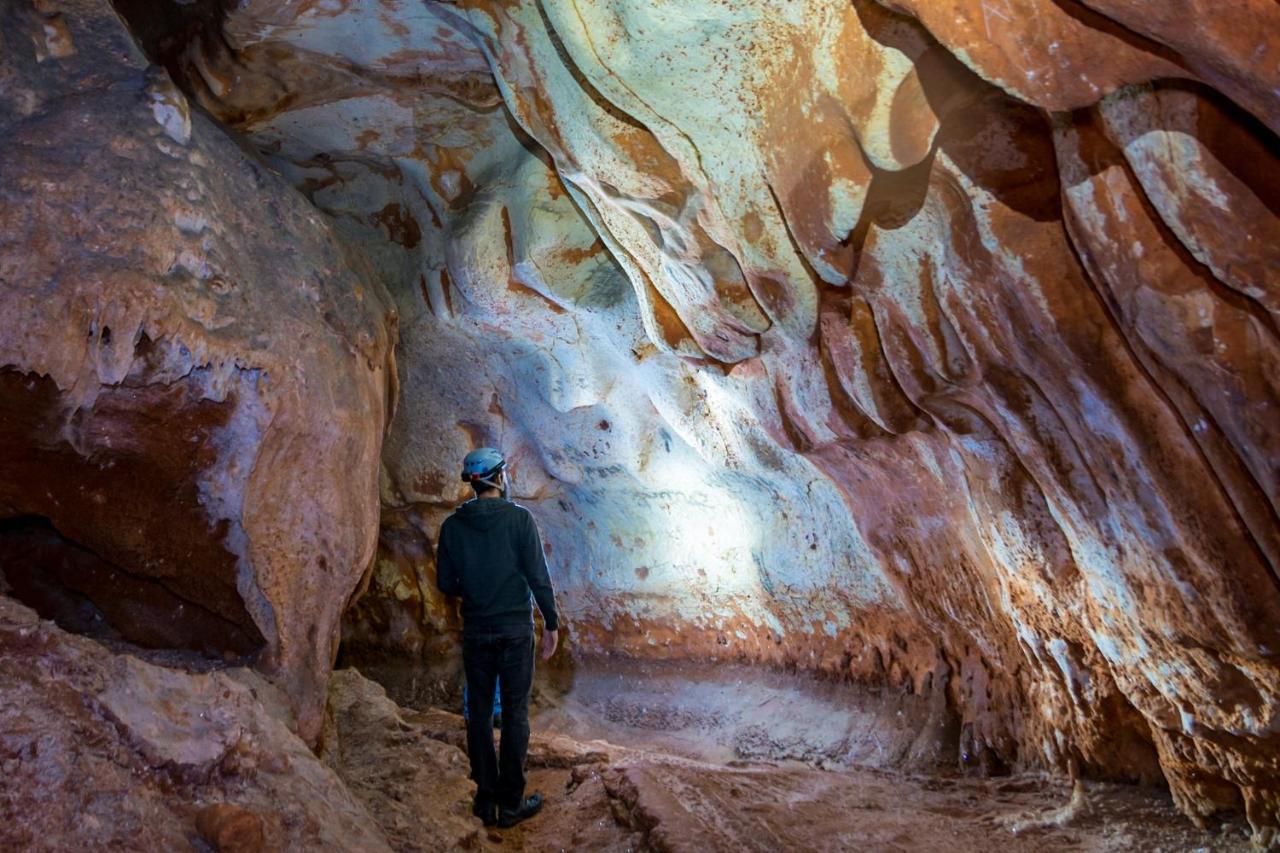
(491, 556)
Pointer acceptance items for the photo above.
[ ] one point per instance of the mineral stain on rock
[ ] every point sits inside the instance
(929, 349)
(230, 829)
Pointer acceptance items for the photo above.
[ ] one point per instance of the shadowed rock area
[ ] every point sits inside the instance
(919, 360)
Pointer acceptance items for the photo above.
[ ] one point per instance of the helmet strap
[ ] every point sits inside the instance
(502, 489)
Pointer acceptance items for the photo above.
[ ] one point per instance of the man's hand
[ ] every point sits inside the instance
(550, 639)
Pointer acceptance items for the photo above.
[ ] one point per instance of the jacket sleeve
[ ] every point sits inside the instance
(447, 578)
(533, 565)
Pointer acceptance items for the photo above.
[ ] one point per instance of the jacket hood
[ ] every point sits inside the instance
(484, 513)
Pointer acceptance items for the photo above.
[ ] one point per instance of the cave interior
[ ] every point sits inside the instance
(894, 386)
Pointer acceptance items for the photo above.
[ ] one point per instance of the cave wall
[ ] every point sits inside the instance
(195, 374)
(928, 343)
(934, 345)
(1021, 313)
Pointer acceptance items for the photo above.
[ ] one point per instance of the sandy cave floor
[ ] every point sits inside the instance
(676, 757)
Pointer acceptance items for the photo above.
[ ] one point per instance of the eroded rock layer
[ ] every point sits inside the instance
(933, 343)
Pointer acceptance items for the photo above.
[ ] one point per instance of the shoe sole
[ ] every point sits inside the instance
(504, 823)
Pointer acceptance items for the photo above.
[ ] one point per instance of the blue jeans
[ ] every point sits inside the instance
(507, 658)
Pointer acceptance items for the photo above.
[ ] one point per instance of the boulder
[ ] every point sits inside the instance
(102, 750)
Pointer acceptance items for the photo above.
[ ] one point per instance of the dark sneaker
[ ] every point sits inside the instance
(530, 807)
(487, 812)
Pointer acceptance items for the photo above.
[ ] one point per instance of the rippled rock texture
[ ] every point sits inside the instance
(194, 373)
(923, 342)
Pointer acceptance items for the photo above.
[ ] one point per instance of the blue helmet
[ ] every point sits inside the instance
(481, 465)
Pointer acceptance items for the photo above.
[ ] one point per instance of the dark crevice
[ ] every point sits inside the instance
(164, 30)
(108, 504)
(86, 594)
(32, 555)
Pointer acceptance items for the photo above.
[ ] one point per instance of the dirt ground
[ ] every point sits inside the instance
(655, 804)
(665, 757)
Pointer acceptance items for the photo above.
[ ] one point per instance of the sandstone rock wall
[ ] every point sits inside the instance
(932, 343)
(194, 374)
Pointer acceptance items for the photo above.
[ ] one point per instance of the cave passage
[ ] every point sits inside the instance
(893, 384)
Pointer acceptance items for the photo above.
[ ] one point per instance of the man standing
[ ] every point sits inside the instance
(490, 555)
